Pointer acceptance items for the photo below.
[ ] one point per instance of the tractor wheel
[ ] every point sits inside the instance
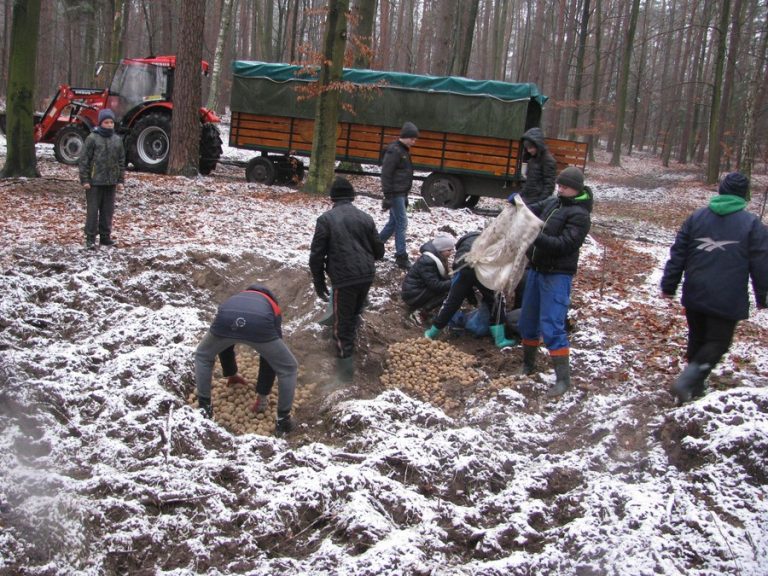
(443, 191)
(69, 143)
(210, 148)
(261, 170)
(149, 143)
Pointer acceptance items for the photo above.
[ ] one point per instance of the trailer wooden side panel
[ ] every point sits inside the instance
(435, 151)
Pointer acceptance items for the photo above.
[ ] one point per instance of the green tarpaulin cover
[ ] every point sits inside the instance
(444, 104)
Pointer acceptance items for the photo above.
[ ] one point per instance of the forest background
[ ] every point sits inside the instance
(682, 79)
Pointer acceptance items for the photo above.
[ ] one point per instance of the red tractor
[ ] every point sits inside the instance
(141, 98)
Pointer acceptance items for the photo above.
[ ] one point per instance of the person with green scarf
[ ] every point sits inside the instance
(716, 252)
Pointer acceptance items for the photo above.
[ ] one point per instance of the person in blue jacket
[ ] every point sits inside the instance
(253, 318)
(553, 261)
(716, 251)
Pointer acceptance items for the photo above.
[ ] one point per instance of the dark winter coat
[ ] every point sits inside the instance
(566, 224)
(427, 279)
(717, 254)
(463, 246)
(345, 246)
(396, 170)
(542, 169)
(103, 160)
(252, 315)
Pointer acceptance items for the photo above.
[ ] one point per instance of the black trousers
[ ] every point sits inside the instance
(100, 208)
(709, 337)
(348, 304)
(265, 379)
(463, 287)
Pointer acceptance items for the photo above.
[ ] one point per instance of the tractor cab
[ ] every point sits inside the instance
(135, 84)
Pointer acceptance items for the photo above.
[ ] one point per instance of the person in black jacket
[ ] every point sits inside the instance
(396, 182)
(463, 287)
(542, 168)
(426, 284)
(253, 318)
(554, 258)
(345, 246)
(717, 250)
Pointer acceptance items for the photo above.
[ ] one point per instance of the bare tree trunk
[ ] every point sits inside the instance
(713, 159)
(754, 93)
(227, 7)
(185, 128)
(624, 83)
(365, 14)
(730, 71)
(592, 140)
(579, 75)
(329, 100)
(443, 42)
(21, 160)
(466, 35)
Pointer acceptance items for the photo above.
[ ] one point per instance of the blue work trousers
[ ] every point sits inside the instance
(545, 307)
(397, 224)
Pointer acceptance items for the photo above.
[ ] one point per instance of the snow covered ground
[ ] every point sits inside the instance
(106, 470)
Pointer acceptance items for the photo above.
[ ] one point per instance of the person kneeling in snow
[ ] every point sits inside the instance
(252, 318)
(427, 282)
(462, 287)
(718, 248)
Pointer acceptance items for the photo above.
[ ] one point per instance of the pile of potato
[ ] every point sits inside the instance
(431, 371)
(438, 373)
(232, 403)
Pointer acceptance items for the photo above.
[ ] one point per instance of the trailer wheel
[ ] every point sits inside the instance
(69, 143)
(443, 191)
(261, 170)
(210, 148)
(150, 143)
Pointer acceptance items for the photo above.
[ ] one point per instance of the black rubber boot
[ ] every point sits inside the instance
(345, 369)
(90, 242)
(204, 404)
(284, 425)
(402, 261)
(690, 383)
(107, 241)
(562, 383)
(529, 359)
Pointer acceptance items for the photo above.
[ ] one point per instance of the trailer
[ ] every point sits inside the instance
(469, 130)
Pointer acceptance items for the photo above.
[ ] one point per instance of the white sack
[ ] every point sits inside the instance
(498, 254)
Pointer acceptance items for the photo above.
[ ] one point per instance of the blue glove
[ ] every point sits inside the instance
(432, 333)
(511, 197)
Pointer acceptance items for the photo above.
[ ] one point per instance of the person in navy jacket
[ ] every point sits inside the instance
(717, 250)
(253, 318)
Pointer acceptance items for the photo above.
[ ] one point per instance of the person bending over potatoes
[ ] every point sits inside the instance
(251, 317)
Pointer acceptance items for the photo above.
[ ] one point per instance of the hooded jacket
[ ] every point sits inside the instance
(103, 160)
(396, 170)
(252, 315)
(542, 169)
(345, 245)
(427, 277)
(566, 224)
(716, 251)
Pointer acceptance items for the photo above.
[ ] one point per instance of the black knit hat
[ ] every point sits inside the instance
(409, 130)
(571, 177)
(735, 184)
(341, 189)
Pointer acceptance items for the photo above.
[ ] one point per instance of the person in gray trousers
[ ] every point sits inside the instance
(253, 318)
